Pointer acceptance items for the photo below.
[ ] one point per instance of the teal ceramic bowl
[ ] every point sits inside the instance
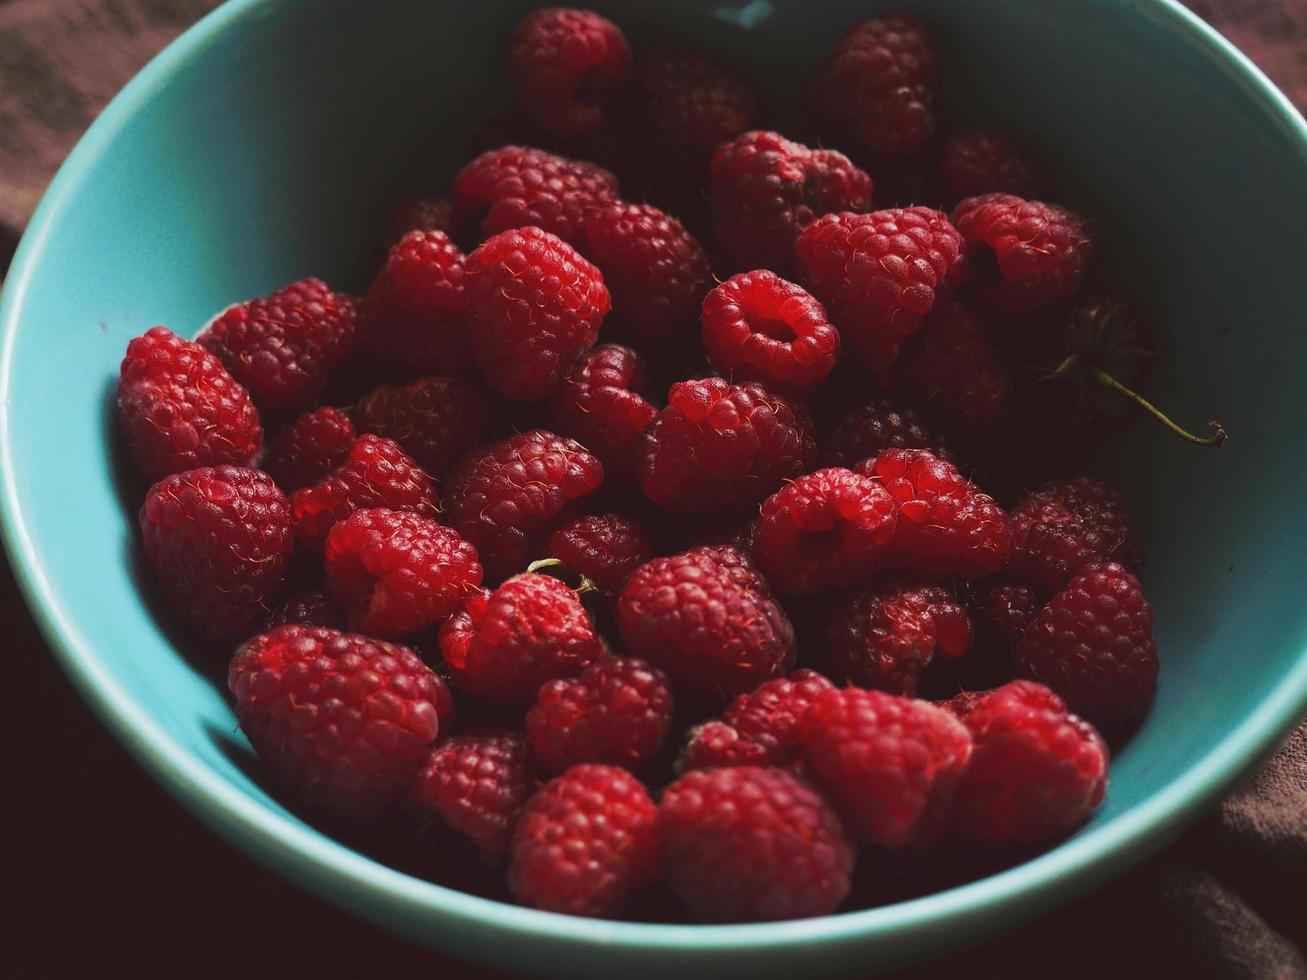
(271, 140)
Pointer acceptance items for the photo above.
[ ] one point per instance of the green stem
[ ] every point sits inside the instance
(1217, 437)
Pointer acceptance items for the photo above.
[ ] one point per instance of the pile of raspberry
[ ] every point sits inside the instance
(633, 558)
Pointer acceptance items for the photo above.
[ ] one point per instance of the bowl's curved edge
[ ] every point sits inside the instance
(324, 865)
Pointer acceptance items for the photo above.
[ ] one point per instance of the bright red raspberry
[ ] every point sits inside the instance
(283, 348)
(342, 721)
(421, 214)
(309, 448)
(217, 540)
(602, 405)
(517, 186)
(586, 844)
(434, 420)
(981, 161)
(766, 189)
(1000, 610)
(864, 428)
(503, 645)
(1036, 771)
(878, 274)
(656, 271)
(707, 617)
(1028, 256)
(760, 327)
(1093, 644)
(825, 530)
(747, 844)
(534, 306)
(179, 409)
(567, 67)
(889, 764)
(309, 607)
(605, 548)
(946, 525)
(719, 446)
(1066, 525)
(376, 473)
(875, 93)
(502, 496)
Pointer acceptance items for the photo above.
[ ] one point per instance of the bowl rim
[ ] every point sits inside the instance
(313, 859)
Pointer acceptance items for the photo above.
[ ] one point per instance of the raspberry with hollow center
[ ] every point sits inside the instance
(434, 420)
(605, 548)
(602, 405)
(862, 429)
(1066, 525)
(309, 448)
(981, 161)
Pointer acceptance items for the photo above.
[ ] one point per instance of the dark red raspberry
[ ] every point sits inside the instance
(719, 446)
(376, 473)
(889, 764)
(863, 429)
(475, 784)
(656, 271)
(586, 844)
(1067, 524)
(825, 530)
(218, 541)
(1036, 771)
(616, 711)
(567, 66)
(1093, 644)
(309, 448)
(421, 214)
(875, 93)
(342, 721)
(1028, 256)
(534, 306)
(179, 409)
(309, 607)
(412, 323)
(981, 161)
(760, 327)
(766, 189)
(503, 645)
(747, 844)
(1000, 610)
(602, 405)
(707, 617)
(878, 274)
(946, 525)
(517, 186)
(605, 548)
(283, 348)
(500, 497)
(434, 420)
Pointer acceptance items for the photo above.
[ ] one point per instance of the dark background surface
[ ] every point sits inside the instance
(108, 876)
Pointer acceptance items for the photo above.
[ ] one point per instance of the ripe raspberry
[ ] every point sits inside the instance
(605, 548)
(342, 721)
(719, 446)
(435, 420)
(1036, 771)
(534, 306)
(981, 161)
(309, 607)
(475, 784)
(602, 405)
(946, 525)
(747, 844)
(876, 91)
(1066, 525)
(616, 711)
(217, 540)
(707, 617)
(759, 327)
(825, 530)
(889, 764)
(1000, 610)
(567, 66)
(1093, 644)
(421, 214)
(869, 425)
(502, 496)
(586, 844)
(179, 409)
(656, 271)
(878, 274)
(766, 189)
(376, 473)
(503, 645)
(283, 348)
(516, 186)
(309, 448)
(1028, 257)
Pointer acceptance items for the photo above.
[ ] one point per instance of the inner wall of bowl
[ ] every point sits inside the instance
(278, 150)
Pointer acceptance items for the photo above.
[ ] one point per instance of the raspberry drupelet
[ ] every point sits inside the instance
(308, 448)
(858, 430)
(309, 607)
(602, 404)
(605, 548)
(981, 161)
(434, 420)
(1066, 525)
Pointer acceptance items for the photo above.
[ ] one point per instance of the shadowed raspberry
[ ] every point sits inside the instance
(421, 214)
(434, 420)
(605, 548)
(862, 429)
(309, 607)
(602, 404)
(309, 448)
(981, 161)
(1000, 610)
(1067, 524)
